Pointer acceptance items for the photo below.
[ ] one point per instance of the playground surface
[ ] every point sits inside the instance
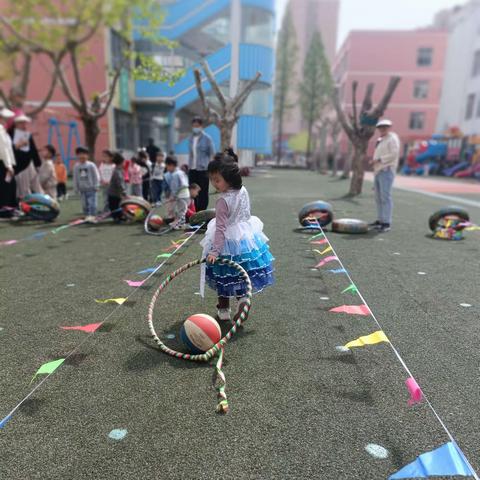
(299, 407)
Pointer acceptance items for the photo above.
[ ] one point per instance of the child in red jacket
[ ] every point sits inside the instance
(194, 191)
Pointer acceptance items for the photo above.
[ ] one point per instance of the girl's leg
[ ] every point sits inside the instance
(223, 309)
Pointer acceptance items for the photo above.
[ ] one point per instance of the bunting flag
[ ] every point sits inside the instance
(164, 255)
(352, 309)
(472, 229)
(416, 394)
(319, 242)
(444, 461)
(328, 249)
(351, 289)
(59, 229)
(338, 270)
(9, 242)
(375, 337)
(147, 270)
(37, 236)
(180, 241)
(120, 301)
(318, 235)
(133, 283)
(91, 327)
(4, 421)
(325, 261)
(48, 368)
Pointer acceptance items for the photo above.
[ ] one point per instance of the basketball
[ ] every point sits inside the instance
(200, 332)
(155, 222)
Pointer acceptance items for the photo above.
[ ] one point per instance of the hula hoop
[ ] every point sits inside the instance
(159, 232)
(218, 348)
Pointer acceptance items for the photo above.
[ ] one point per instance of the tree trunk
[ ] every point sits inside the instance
(308, 153)
(279, 137)
(358, 167)
(92, 131)
(347, 166)
(226, 130)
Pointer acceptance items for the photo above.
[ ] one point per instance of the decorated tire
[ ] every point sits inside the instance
(40, 207)
(203, 216)
(459, 212)
(135, 209)
(349, 225)
(316, 211)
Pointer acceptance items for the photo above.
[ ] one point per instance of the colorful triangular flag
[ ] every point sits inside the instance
(325, 261)
(91, 327)
(351, 309)
(318, 235)
(319, 242)
(375, 337)
(120, 301)
(416, 394)
(48, 368)
(351, 289)
(164, 255)
(444, 461)
(133, 283)
(338, 270)
(4, 421)
(147, 270)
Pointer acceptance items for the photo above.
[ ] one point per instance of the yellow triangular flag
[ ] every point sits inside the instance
(120, 301)
(375, 337)
(328, 249)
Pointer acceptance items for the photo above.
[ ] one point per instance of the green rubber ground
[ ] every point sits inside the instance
(299, 408)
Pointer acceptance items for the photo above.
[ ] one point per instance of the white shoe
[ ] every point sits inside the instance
(223, 314)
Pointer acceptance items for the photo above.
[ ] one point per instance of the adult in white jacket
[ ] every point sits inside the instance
(385, 162)
(7, 164)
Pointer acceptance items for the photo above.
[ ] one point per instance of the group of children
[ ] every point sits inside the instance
(111, 178)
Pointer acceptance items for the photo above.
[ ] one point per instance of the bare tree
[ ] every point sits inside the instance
(335, 129)
(360, 127)
(226, 115)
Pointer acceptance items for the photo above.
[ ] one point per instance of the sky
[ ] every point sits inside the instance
(382, 14)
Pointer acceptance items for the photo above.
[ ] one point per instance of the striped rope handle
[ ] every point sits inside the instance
(218, 349)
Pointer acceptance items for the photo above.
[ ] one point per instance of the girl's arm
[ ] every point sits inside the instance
(221, 216)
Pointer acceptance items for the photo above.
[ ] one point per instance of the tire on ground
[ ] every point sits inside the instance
(443, 212)
(41, 207)
(323, 211)
(135, 208)
(203, 216)
(349, 225)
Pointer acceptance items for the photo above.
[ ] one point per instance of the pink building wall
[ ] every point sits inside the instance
(374, 56)
(308, 16)
(94, 79)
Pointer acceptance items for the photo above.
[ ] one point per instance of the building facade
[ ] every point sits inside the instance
(309, 16)
(460, 101)
(417, 56)
(235, 38)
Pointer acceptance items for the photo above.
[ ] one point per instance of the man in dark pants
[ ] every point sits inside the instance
(201, 152)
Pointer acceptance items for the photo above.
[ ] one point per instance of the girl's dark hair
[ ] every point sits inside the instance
(117, 158)
(227, 167)
(229, 151)
(80, 150)
(52, 150)
(108, 153)
(171, 161)
(142, 155)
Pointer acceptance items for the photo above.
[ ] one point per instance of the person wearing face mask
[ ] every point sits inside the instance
(7, 165)
(201, 152)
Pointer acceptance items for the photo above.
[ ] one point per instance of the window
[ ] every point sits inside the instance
(424, 56)
(476, 64)
(258, 26)
(118, 47)
(124, 131)
(470, 106)
(420, 89)
(417, 120)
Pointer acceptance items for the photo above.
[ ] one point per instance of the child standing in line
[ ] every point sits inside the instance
(194, 189)
(46, 172)
(61, 174)
(234, 235)
(116, 189)
(158, 172)
(86, 181)
(135, 175)
(180, 196)
(105, 169)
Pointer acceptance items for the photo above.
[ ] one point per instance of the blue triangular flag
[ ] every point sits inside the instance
(443, 461)
(4, 421)
(147, 270)
(338, 270)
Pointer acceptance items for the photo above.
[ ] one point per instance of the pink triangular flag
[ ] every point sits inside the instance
(85, 328)
(9, 242)
(319, 242)
(133, 283)
(352, 309)
(325, 261)
(416, 394)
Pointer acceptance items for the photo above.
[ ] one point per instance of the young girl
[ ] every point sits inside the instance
(135, 175)
(235, 235)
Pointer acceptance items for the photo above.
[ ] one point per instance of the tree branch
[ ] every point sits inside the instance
(68, 92)
(367, 101)
(48, 96)
(354, 105)
(208, 112)
(243, 95)
(341, 115)
(214, 84)
(111, 94)
(23, 40)
(381, 107)
(76, 77)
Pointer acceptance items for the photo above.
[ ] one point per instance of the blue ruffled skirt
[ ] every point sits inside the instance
(251, 252)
